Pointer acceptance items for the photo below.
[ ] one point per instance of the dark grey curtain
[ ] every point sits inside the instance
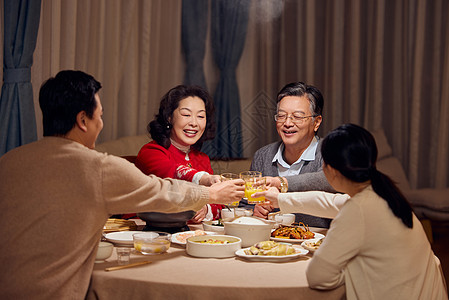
(229, 20)
(17, 118)
(195, 16)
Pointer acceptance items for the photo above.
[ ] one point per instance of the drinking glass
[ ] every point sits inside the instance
(123, 254)
(230, 176)
(254, 182)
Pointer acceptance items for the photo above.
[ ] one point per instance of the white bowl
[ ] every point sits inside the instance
(208, 226)
(250, 229)
(194, 248)
(104, 251)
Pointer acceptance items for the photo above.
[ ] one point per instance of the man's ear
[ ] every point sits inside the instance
(81, 120)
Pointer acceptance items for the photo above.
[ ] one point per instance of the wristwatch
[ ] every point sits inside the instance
(284, 187)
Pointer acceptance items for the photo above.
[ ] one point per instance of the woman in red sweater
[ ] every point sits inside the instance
(185, 120)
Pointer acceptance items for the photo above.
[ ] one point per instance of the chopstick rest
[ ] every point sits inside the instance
(127, 266)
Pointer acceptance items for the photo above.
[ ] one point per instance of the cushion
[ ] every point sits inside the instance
(437, 199)
(392, 167)
(384, 149)
(230, 166)
(124, 146)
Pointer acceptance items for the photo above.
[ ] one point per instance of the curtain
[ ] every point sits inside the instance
(17, 117)
(378, 64)
(132, 47)
(229, 20)
(195, 19)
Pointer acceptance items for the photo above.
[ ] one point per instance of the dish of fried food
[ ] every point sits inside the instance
(294, 233)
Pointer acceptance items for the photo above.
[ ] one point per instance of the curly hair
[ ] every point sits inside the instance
(160, 127)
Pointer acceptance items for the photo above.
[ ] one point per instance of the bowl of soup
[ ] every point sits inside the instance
(215, 246)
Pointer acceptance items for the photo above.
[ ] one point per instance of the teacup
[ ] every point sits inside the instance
(285, 219)
(227, 213)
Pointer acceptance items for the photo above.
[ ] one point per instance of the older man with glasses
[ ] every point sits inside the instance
(295, 163)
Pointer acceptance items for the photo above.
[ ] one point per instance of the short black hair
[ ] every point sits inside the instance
(62, 97)
(299, 89)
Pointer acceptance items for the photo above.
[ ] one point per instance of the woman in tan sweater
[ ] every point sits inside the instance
(375, 246)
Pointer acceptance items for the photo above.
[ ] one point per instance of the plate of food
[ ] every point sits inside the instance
(121, 238)
(271, 251)
(312, 245)
(181, 237)
(294, 234)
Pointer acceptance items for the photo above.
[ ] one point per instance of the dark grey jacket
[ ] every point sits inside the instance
(310, 178)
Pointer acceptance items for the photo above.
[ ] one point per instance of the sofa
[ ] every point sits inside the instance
(428, 204)
(129, 146)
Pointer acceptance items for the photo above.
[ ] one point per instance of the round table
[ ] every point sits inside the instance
(176, 275)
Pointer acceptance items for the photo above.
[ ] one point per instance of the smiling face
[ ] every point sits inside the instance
(295, 135)
(188, 121)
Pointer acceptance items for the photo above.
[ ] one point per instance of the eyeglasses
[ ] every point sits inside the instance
(295, 118)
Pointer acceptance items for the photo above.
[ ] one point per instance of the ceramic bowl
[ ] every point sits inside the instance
(197, 247)
(250, 229)
(212, 226)
(104, 251)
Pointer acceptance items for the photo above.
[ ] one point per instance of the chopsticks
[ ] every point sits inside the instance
(128, 266)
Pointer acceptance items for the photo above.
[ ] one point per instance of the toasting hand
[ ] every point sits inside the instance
(227, 191)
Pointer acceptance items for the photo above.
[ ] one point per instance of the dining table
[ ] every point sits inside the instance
(177, 275)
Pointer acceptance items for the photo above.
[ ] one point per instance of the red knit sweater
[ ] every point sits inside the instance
(172, 163)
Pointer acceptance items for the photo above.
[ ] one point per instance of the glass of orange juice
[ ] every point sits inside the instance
(254, 182)
(230, 176)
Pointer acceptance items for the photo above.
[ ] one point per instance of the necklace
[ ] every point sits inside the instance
(185, 149)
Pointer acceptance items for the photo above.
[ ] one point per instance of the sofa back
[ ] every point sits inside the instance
(124, 146)
(129, 146)
(387, 163)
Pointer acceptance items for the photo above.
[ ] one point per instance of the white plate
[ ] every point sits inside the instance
(174, 237)
(316, 237)
(121, 237)
(306, 246)
(269, 258)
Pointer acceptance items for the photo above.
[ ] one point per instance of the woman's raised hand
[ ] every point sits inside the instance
(208, 179)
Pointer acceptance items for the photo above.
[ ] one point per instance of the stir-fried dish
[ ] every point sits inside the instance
(293, 232)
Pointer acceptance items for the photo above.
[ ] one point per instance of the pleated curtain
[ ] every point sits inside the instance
(229, 21)
(195, 17)
(17, 115)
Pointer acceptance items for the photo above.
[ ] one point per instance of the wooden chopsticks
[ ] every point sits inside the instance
(128, 266)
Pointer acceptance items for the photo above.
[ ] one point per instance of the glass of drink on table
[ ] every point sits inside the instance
(230, 176)
(254, 182)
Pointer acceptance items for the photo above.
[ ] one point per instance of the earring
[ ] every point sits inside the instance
(168, 126)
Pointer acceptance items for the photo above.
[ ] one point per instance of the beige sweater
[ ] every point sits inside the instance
(55, 196)
(375, 255)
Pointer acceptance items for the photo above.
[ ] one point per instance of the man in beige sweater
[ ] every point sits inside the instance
(57, 193)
